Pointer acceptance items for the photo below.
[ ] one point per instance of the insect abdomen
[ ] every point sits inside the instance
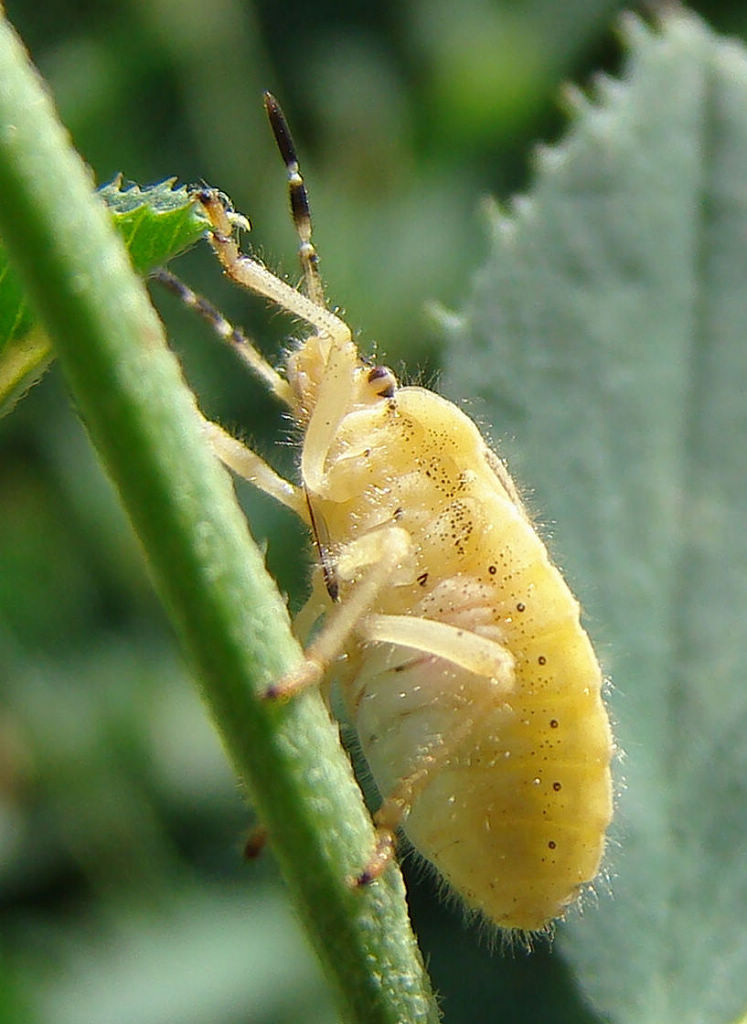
(515, 817)
(514, 810)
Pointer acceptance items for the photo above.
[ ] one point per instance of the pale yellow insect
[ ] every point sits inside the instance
(457, 644)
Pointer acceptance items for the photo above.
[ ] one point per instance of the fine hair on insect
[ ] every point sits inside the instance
(455, 642)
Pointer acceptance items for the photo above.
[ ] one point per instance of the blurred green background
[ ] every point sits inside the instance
(124, 894)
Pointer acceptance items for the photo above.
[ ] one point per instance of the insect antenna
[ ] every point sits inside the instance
(299, 201)
(227, 331)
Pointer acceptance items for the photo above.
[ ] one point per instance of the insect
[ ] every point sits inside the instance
(455, 641)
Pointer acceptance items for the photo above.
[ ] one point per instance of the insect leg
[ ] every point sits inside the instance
(392, 812)
(255, 842)
(396, 806)
(228, 332)
(460, 646)
(252, 467)
(342, 357)
(252, 275)
(330, 408)
(345, 616)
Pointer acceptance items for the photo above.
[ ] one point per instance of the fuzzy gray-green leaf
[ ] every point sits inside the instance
(607, 339)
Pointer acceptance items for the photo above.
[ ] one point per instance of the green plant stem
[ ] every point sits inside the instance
(145, 425)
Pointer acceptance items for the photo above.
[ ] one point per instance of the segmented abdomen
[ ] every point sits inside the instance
(514, 811)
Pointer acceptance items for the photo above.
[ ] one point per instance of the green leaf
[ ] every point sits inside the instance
(156, 223)
(606, 337)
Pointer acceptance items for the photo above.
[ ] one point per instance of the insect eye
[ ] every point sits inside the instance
(382, 382)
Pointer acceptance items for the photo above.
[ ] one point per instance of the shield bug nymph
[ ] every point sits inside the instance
(473, 686)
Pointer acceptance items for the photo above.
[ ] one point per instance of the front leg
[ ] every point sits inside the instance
(250, 466)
